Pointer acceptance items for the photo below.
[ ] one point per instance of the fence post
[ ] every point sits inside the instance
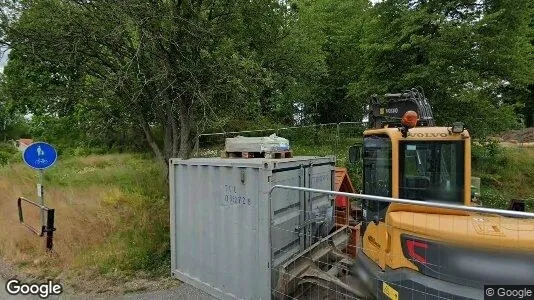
(337, 139)
(50, 230)
(19, 205)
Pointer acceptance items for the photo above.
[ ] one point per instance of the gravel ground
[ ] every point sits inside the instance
(184, 291)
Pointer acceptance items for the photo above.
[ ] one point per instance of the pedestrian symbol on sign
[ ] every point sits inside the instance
(40, 151)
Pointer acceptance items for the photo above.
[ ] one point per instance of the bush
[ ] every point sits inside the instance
(488, 156)
(493, 198)
(356, 175)
(505, 173)
(8, 153)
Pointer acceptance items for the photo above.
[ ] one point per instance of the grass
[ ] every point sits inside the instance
(111, 218)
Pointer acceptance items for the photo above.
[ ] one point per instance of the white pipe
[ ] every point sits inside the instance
(485, 210)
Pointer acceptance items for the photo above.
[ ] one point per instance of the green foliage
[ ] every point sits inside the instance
(355, 171)
(488, 156)
(492, 197)
(144, 244)
(156, 72)
(12, 125)
(466, 56)
(135, 203)
(179, 66)
(328, 147)
(72, 137)
(505, 173)
(8, 153)
(133, 173)
(329, 36)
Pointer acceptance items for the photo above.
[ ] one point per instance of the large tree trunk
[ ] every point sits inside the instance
(168, 136)
(175, 136)
(186, 120)
(150, 139)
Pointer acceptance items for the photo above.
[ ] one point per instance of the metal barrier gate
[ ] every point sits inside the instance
(47, 228)
(324, 271)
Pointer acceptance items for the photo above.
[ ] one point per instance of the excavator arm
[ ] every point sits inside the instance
(389, 109)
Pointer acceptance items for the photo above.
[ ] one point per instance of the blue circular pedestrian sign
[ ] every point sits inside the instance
(40, 155)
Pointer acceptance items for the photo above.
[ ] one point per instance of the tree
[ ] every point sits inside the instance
(330, 34)
(174, 65)
(466, 55)
(12, 124)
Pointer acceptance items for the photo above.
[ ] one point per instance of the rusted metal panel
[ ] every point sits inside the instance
(227, 235)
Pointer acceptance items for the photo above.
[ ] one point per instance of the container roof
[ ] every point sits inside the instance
(250, 162)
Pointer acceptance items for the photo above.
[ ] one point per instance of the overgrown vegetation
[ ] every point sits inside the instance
(505, 173)
(112, 210)
(112, 218)
(8, 153)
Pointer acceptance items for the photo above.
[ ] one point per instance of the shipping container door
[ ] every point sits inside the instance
(318, 206)
(287, 215)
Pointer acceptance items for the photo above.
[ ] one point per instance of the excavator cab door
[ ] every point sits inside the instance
(377, 181)
(377, 175)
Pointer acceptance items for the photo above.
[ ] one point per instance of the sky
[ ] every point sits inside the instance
(3, 58)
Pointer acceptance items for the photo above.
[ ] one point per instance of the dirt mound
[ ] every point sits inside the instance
(518, 136)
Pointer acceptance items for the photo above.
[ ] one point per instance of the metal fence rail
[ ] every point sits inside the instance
(327, 137)
(331, 136)
(483, 210)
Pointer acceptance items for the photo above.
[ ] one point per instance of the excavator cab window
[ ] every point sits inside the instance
(432, 170)
(376, 175)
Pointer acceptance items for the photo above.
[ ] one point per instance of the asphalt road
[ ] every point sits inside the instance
(184, 291)
(5, 295)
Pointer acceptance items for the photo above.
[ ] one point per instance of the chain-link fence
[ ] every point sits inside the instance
(319, 139)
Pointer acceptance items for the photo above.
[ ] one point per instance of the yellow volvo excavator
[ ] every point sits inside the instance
(410, 248)
(419, 252)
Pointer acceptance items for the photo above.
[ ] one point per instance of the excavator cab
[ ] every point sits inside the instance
(430, 166)
(418, 252)
(411, 251)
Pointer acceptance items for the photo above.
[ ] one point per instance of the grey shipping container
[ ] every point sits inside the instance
(228, 236)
